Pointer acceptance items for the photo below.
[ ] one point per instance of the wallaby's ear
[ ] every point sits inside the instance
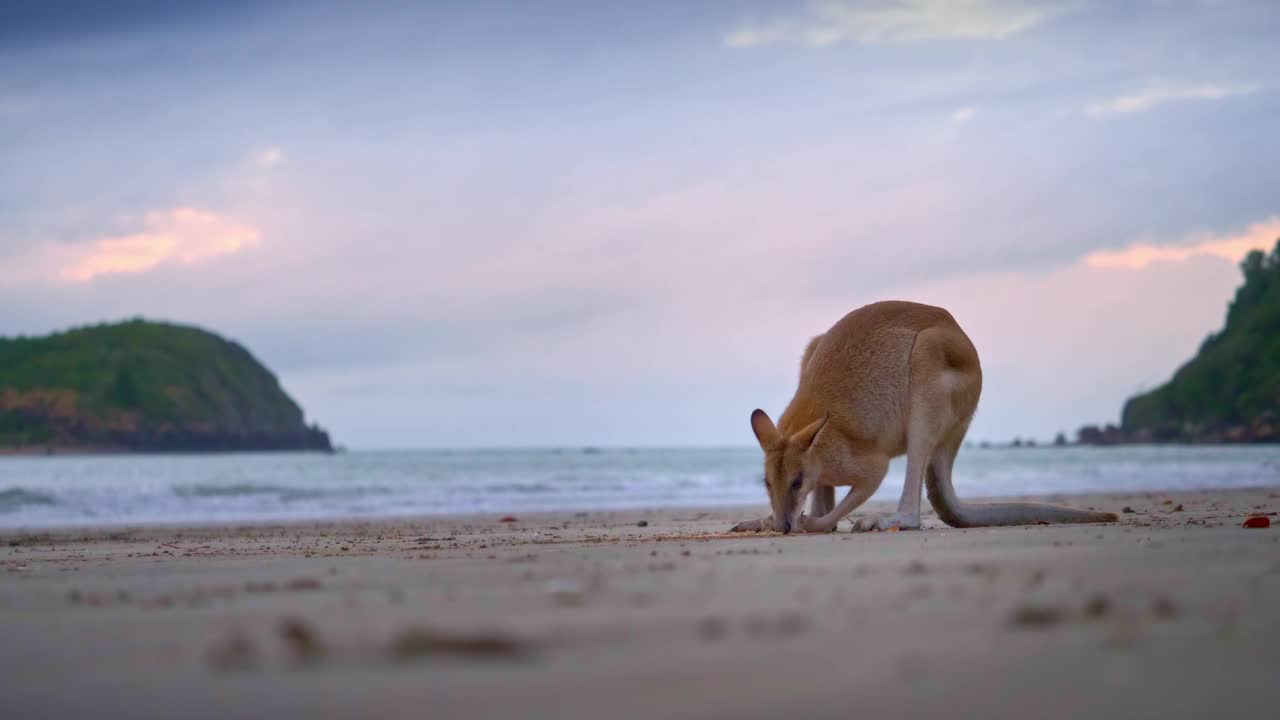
(766, 433)
(809, 433)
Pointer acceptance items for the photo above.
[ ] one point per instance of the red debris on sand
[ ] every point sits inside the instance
(507, 518)
(1258, 522)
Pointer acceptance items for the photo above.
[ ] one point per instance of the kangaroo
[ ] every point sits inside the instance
(888, 378)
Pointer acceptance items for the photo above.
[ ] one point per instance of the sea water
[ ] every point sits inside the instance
(163, 489)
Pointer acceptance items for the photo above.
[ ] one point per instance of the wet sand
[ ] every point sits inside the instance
(1171, 612)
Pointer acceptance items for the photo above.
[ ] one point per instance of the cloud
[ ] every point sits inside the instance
(1064, 347)
(1163, 94)
(1259, 236)
(181, 235)
(828, 22)
(963, 115)
(269, 157)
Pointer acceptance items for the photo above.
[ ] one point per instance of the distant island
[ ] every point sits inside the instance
(1230, 391)
(143, 386)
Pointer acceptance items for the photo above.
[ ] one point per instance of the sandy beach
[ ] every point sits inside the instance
(1172, 612)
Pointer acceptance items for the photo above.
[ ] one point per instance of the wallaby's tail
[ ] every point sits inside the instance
(965, 515)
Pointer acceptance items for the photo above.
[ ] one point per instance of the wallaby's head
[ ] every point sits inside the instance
(790, 469)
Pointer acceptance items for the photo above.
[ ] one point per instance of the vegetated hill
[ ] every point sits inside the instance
(1230, 391)
(144, 386)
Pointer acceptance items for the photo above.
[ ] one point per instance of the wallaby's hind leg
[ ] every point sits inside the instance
(928, 422)
(919, 446)
(939, 387)
(942, 495)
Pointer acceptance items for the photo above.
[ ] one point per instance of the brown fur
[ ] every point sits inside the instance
(887, 379)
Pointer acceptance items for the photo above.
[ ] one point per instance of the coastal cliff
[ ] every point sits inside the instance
(1230, 391)
(144, 387)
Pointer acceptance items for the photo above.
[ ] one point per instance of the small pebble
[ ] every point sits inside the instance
(300, 639)
(1164, 608)
(643, 523)
(712, 629)
(1037, 617)
(415, 643)
(303, 584)
(1097, 607)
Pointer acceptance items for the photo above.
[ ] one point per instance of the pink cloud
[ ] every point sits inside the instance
(1066, 347)
(1259, 236)
(183, 235)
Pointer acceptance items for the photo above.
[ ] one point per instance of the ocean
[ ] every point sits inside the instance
(104, 490)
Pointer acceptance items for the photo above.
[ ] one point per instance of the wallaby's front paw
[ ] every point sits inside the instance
(885, 522)
(748, 526)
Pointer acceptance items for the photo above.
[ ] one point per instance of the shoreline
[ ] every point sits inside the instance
(112, 450)
(1087, 500)
(61, 451)
(970, 446)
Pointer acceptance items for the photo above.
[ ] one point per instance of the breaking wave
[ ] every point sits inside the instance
(14, 499)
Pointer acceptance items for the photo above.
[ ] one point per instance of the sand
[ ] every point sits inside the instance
(1168, 613)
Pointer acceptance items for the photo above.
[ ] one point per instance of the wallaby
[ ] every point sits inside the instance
(888, 378)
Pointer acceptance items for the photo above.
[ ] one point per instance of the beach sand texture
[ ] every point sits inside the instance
(1172, 612)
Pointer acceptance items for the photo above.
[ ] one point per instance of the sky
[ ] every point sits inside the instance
(618, 223)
